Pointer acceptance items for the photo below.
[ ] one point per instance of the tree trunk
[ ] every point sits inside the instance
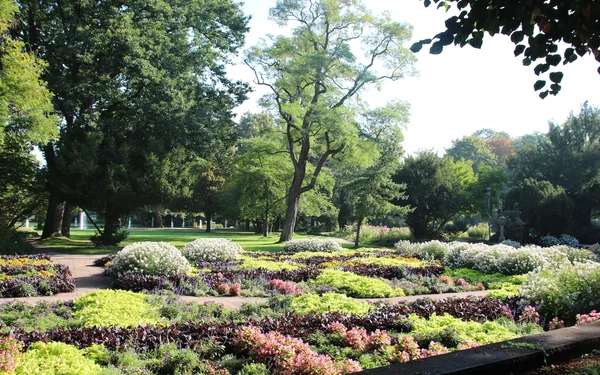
(66, 220)
(208, 222)
(158, 221)
(54, 215)
(357, 238)
(291, 212)
(247, 224)
(111, 224)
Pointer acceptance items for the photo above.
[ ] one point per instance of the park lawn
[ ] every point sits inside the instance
(79, 242)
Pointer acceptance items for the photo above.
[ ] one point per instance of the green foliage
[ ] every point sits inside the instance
(474, 277)
(314, 76)
(253, 263)
(13, 241)
(127, 92)
(565, 165)
(545, 208)
(24, 97)
(564, 291)
(329, 302)
(478, 232)
(41, 316)
(115, 308)
(254, 369)
(438, 189)
(537, 28)
(56, 358)
(357, 286)
(474, 149)
(482, 333)
(169, 359)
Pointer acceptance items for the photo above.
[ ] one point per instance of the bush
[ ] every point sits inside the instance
(568, 240)
(211, 250)
(564, 292)
(357, 286)
(378, 235)
(115, 308)
(329, 302)
(512, 243)
(149, 258)
(313, 245)
(117, 237)
(13, 241)
(56, 358)
(478, 232)
(547, 241)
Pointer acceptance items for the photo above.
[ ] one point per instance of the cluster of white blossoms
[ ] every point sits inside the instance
(149, 258)
(211, 250)
(500, 258)
(564, 291)
(312, 245)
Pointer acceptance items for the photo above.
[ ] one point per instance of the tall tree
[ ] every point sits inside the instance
(314, 76)
(536, 27)
(438, 189)
(569, 158)
(474, 149)
(370, 191)
(25, 120)
(133, 81)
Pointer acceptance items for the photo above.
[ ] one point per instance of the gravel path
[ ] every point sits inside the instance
(89, 278)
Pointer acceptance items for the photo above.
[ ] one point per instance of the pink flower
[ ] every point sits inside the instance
(223, 289)
(235, 290)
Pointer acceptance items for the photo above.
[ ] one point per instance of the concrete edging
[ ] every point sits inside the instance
(507, 357)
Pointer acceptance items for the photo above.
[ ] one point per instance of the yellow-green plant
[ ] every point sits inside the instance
(329, 302)
(115, 307)
(55, 358)
(357, 286)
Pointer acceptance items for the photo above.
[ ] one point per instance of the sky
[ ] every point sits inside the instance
(459, 91)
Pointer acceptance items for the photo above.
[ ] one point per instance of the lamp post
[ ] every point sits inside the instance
(488, 191)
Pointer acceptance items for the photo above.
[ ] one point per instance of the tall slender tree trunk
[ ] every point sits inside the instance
(56, 204)
(291, 212)
(54, 215)
(111, 224)
(66, 220)
(357, 238)
(158, 221)
(208, 222)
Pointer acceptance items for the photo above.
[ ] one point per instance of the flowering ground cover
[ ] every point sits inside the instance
(163, 335)
(33, 275)
(312, 266)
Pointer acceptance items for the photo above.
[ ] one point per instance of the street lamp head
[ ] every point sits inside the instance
(488, 191)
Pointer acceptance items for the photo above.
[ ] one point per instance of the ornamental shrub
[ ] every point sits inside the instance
(357, 286)
(148, 258)
(565, 291)
(115, 308)
(515, 244)
(56, 358)
(329, 302)
(211, 250)
(10, 352)
(547, 241)
(312, 245)
(478, 232)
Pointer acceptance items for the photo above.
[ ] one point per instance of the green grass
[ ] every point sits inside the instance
(79, 242)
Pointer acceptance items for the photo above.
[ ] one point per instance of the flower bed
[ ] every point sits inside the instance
(368, 273)
(211, 339)
(33, 275)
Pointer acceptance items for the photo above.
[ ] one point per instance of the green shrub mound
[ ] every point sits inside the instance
(56, 358)
(357, 286)
(149, 258)
(565, 291)
(312, 245)
(211, 250)
(115, 308)
(329, 302)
